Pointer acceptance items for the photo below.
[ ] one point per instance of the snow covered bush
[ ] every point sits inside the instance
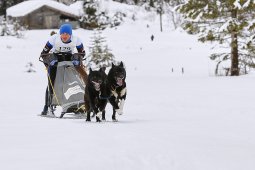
(30, 67)
(11, 28)
(97, 15)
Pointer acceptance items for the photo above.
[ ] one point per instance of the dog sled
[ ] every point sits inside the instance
(68, 88)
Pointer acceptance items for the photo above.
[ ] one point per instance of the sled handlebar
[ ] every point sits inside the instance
(45, 58)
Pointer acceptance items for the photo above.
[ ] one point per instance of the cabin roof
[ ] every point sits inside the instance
(26, 7)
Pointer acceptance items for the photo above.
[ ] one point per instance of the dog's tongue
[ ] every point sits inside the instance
(119, 81)
(97, 87)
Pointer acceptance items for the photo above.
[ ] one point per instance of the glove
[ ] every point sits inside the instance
(53, 62)
(76, 62)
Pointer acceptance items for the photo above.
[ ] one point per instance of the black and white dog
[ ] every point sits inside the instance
(116, 87)
(95, 86)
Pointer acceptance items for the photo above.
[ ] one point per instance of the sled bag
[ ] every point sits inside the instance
(68, 86)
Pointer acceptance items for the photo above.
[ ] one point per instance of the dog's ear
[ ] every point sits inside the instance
(103, 69)
(121, 64)
(113, 65)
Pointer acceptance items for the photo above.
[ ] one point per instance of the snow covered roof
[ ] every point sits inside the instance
(78, 6)
(29, 6)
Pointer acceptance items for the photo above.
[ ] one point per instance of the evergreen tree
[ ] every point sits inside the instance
(151, 3)
(89, 19)
(93, 18)
(108, 57)
(100, 55)
(4, 4)
(136, 1)
(96, 17)
(226, 22)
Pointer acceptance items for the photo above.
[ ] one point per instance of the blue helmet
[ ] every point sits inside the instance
(66, 28)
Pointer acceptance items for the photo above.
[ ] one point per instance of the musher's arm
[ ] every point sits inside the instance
(45, 51)
(80, 48)
(47, 48)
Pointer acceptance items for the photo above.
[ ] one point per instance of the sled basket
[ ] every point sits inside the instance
(69, 88)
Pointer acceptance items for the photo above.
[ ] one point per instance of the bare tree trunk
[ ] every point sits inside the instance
(217, 68)
(160, 15)
(234, 49)
(161, 27)
(234, 55)
(173, 20)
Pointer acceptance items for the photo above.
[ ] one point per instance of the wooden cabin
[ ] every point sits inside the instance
(43, 14)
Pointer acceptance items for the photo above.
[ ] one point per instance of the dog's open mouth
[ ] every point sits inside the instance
(119, 81)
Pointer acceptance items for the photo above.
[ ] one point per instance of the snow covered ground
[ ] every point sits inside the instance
(190, 121)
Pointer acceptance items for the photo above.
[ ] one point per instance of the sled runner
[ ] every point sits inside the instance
(68, 88)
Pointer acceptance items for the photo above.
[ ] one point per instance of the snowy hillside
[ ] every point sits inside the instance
(190, 121)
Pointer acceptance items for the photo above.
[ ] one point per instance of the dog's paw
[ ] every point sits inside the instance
(99, 115)
(119, 111)
(97, 119)
(114, 118)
